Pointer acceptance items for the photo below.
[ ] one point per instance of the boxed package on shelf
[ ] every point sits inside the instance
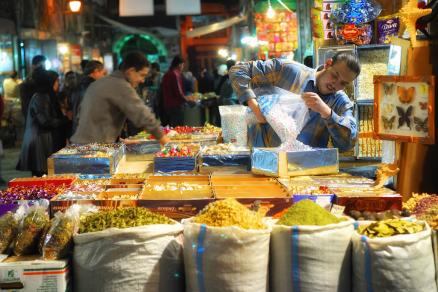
(274, 162)
(28, 274)
(86, 159)
(224, 157)
(177, 188)
(41, 181)
(181, 158)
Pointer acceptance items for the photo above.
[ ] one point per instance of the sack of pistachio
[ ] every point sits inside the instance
(128, 249)
(311, 250)
(393, 255)
(226, 249)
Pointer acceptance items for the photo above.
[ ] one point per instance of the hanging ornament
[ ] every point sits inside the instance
(409, 15)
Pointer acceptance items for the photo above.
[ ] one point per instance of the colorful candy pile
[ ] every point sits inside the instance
(12, 194)
(176, 151)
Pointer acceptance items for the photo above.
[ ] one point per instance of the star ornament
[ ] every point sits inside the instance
(409, 15)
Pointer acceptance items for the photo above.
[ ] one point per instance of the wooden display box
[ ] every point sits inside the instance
(367, 201)
(247, 186)
(201, 185)
(41, 181)
(176, 209)
(273, 162)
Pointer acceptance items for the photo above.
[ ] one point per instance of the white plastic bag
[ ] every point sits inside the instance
(285, 112)
(144, 258)
(233, 121)
(225, 259)
(402, 263)
(311, 258)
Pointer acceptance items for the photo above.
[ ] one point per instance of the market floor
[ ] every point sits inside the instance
(8, 163)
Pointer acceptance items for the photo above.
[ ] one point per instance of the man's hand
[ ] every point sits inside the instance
(164, 140)
(129, 141)
(254, 106)
(316, 104)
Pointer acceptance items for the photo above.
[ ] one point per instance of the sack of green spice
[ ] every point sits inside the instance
(31, 229)
(402, 262)
(226, 249)
(147, 257)
(310, 250)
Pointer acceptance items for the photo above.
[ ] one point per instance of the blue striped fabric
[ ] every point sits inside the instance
(199, 257)
(341, 126)
(295, 259)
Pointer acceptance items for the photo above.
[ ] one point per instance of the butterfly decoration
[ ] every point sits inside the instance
(404, 116)
(423, 89)
(388, 123)
(388, 108)
(405, 95)
(421, 125)
(388, 88)
(423, 105)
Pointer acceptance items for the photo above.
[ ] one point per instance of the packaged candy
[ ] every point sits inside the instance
(387, 27)
(9, 223)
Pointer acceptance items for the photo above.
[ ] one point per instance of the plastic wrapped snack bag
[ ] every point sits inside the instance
(59, 238)
(9, 224)
(233, 123)
(31, 229)
(285, 112)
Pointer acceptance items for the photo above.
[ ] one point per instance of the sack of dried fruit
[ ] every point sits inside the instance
(128, 249)
(311, 250)
(226, 248)
(393, 255)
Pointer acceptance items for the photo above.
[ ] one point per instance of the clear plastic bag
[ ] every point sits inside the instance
(9, 224)
(285, 112)
(59, 238)
(31, 229)
(233, 121)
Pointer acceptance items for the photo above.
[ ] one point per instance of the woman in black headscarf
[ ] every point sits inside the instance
(44, 124)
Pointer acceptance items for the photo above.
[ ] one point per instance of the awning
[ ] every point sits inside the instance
(215, 26)
(166, 32)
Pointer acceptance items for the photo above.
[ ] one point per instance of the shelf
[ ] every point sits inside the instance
(365, 102)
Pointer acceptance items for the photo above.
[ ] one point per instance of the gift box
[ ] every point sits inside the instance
(275, 162)
(28, 274)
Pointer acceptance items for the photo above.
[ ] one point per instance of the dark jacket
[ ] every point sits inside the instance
(76, 98)
(42, 133)
(27, 90)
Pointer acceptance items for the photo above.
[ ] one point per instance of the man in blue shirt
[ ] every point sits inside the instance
(330, 109)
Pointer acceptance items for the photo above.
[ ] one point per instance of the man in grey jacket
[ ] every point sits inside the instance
(110, 100)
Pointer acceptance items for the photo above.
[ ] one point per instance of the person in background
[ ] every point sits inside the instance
(28, 87)
(308, 61)
(206, 81)
(84, 63)
(93, 71)
(11, 86)
(189, 83)
(173, 93)
(330, 109)
(150, 88)
(44, 123)
(226, 93)
(109, 101)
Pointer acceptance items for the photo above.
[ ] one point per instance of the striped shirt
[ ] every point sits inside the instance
(341, 126)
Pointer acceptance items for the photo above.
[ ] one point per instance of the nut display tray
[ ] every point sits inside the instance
(176, 188)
